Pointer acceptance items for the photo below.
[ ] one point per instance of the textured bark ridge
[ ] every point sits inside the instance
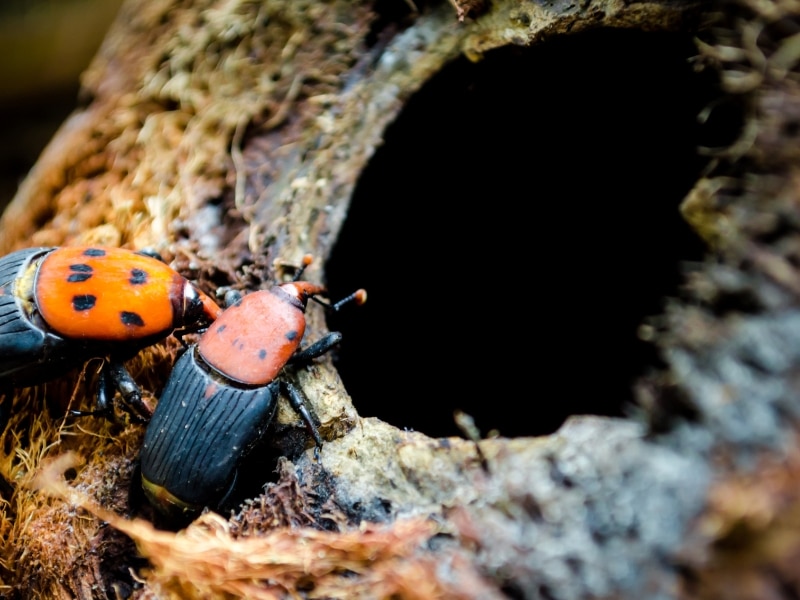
(230, 136)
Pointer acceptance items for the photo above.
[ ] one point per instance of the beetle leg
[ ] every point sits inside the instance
(114, 376)
(178, 335)
(131, 394)
(299, 405)
(232, 297)
(316, 349)
(103, 401)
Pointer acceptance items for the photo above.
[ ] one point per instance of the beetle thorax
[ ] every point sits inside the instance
(253, 340)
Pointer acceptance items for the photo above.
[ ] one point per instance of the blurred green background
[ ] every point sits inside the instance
(44, 47)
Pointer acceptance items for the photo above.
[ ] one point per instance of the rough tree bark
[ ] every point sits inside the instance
(229, 136)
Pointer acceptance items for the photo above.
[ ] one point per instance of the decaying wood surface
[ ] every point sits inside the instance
(229, 136)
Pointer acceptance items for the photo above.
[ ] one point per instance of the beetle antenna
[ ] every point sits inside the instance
(307, 260)
(359, 297)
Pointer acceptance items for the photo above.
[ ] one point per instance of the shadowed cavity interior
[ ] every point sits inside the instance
(518, 224)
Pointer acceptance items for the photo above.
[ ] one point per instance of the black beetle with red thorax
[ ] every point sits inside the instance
(223, 392)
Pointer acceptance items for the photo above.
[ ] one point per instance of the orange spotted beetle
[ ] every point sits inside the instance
(62, 306)
(222, 395)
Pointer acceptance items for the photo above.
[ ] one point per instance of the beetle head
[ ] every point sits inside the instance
(198, 310)
(301, 291)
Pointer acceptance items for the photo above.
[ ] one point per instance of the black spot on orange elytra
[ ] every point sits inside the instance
(291, 335)
(138, 277)
(131, 318)
(80, 272)
(94, 252)
(83, 302)
(262, 354)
